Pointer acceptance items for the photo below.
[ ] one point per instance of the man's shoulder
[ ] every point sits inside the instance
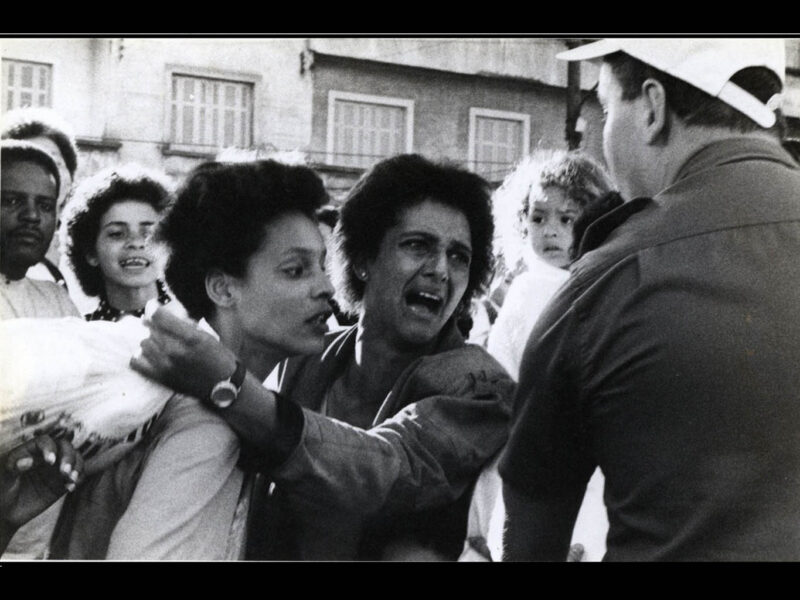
(35, 298)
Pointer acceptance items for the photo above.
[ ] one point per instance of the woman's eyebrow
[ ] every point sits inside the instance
(462, 246)
(305, 251)
(420, 232)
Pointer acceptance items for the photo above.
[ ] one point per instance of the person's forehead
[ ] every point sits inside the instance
(291, 232)
(552, 198)
(27, 175)
(436, 218)
(130, 210)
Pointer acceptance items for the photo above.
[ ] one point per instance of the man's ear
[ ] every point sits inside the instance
(91, 258)
(222, 289)
(656, 117)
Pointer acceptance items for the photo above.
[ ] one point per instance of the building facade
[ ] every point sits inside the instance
(343, 103)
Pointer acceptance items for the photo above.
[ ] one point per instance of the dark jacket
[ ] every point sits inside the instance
(344, 492)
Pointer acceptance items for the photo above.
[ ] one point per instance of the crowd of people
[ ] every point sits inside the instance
(583, 364)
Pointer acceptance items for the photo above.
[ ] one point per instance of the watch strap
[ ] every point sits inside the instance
(238, 376)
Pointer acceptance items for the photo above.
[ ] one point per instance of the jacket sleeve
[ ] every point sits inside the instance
(452, 421)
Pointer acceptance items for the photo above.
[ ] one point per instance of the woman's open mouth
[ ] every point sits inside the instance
(136, 262)
(425, 304)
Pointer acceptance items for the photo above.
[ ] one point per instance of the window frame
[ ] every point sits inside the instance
(238, 77)
(336, 95)
(476, 112)
(34, 63)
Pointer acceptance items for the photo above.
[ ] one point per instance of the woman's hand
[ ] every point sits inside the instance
(181, 356)
(32, 477)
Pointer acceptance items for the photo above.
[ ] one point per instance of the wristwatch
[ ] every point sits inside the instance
(225, 392)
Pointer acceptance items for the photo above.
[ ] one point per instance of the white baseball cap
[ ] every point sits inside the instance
(705, 63)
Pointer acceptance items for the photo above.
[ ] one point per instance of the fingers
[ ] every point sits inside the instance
(141, 365)
(163, 321)
(38, 451)
(43, 451)
(70, 464)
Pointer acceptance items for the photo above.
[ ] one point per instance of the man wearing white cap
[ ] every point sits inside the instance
(670, 358)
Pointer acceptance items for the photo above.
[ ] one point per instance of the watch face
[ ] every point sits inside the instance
(223, 394)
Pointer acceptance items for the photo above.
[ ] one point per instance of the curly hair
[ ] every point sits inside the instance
(580, 177)
(218, 221)
(91, 200)
(31, 122)
(377, 201)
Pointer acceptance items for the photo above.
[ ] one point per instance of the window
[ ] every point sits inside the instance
(497, 140)
(364, 129)
(26, 84)
(216, 113)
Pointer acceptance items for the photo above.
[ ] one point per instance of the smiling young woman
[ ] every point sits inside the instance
(107, 234)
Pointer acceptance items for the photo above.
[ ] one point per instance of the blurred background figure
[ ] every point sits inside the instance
(48, 130)
(107, 237)
(30, 188)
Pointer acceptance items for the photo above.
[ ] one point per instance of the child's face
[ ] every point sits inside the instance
(29, 195)
(124, 252)
(549, 225)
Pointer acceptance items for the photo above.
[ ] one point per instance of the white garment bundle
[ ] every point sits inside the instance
(68, 377)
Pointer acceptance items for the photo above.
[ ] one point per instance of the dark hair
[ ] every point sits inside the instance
(14, 151)
(329, 215)
(592, 211)
(91, 200)
(31, 122)
(218, 220)
(392, 186)
(693, 105)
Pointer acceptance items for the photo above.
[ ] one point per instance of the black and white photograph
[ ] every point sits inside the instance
(400, 298)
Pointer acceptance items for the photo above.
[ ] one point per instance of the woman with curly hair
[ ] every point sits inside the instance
(107, 236)
(246, 261)
(373, 444)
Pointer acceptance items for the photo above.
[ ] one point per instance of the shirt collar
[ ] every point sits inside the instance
(204, 325)
(732, 150)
